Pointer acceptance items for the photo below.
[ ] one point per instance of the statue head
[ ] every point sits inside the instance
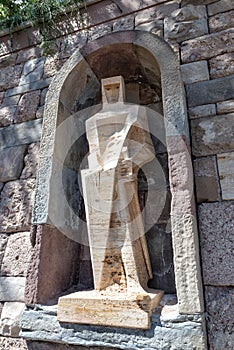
(113, 90)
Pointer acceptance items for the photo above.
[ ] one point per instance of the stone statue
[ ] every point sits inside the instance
(119, 145)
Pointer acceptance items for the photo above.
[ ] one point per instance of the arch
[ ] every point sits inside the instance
(72, 80)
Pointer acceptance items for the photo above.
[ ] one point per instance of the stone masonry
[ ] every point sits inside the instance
(201, 34)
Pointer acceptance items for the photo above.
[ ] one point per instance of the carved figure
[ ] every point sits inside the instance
(119, 144)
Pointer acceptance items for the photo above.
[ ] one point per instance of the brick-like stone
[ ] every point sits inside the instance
(36, 85)
(10, 318)
(207, 46)
(27, 107)
(225, 107)
(11, 162)
(202, 111)
(126, 23)
(31, 161)
(195, 71)
(219, 304)
(212, 135)
(20, 134)
(16, 205)
(226, 174)
(17, 254)
(158, 12)
(206, 179)
(220, 6)
(154, 27)
(12, 288)
(7, 115)
(211, 91)
(221, 21)
(216, 239)
(33, 71)
(11, 101)
(10, 76)
(27, 54)
(7, 343)
(222, 65)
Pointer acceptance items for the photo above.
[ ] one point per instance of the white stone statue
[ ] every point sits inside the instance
(119, 145)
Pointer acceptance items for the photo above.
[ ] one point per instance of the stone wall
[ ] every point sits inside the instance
(200, 33)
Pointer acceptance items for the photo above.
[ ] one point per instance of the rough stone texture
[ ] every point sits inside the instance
(51, 346)
(33, 71)
(196, 71)
(52, 66)
(219, 303)
(7, 115)
(27, 54)
(7, 60)
(202, 111)
(12, 288)
(31, 161)
(159, 12)
(216, 238)
(206, 179)
(11, 101)
(17, 254)
(10, 76)
(7, 343)
(16, 203)
(40, 112)
(20, 134)
(221, 21)
(226, 174)
(222, 65)
(3, 243)
(186, 23)
(171, 334)
(36, 85)
(207, 46)
(211, 135)
(220, 6)
(225, 107)
(126, 23)
(206, 92)
(10, 319)
(27, 107)
(1, 97)
(11, 162)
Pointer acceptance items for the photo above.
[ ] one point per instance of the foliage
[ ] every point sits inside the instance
(45, 15)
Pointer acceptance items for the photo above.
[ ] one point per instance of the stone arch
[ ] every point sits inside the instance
(73, 79)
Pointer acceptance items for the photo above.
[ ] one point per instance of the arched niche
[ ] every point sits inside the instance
(73, 96)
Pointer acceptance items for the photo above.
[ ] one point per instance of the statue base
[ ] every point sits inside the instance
(102, 308)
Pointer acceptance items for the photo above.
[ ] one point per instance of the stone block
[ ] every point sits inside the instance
(154, 27)
(221, 21)
(100, 30)
(212, 135)
(225, 107)
(158, 12)
(219, 303)
(202, 111)
(207, 46)
(195, 71)
(7, 60)
(27, 107)
(33, 71)
(43, 96)
(12, 288)
(16, 205)
(27, 54)
(211, 91)
(20, 134)
(11, 160)
(17, 254)
(10, 319)
(10, 76)
(31, 161)
(206, 179)
(125, 23)
(222, 65)
(220, 6)
(36, 85)
(52, 66)
(7, 115)
(3, 243)
(216, 241)
(39, 112)
(13, 343)
(11, 101)
(226, 174)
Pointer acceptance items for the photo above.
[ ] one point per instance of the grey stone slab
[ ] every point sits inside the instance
(222, 65)
(20, 134)
(212, 135)
(9, 101)
(36, 85)
(11, 162)
(33, 71)
(226, 173)
(216, 226)
(219, 302)
(195, 71)
(221, 21)
(158, 12)
(202, 111)
(225, 107)
(12, 288)
(10, 318)
(211, 91)
(7, 115)
(220, 6)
